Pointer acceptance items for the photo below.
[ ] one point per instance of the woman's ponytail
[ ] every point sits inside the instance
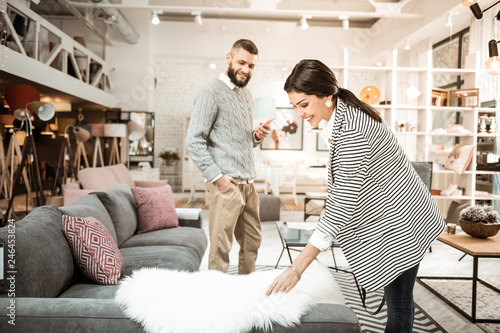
(350, 99)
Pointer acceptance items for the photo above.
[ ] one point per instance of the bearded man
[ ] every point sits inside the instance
(220, 141)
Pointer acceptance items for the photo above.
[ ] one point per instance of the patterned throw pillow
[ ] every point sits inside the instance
(155, 208)
(459, 158)
(94, 249)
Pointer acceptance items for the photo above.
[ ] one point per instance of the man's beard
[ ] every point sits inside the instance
(232, 76)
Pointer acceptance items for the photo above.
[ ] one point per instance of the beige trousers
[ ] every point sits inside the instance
(233, 212)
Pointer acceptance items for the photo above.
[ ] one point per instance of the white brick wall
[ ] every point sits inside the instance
(179, 81)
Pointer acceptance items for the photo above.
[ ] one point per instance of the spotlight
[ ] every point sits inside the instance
(155, 20)
(493, 63)
(197, 18)
(449, 23)
(407, 45)
(476, 10)
(345, 22)
(212, 66)
(303, 23)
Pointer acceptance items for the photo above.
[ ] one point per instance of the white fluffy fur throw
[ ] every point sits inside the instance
(212, 302)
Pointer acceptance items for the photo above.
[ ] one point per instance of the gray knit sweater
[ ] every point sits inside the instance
(220, 136)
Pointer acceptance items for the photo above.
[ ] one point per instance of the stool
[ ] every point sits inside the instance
(269, 207)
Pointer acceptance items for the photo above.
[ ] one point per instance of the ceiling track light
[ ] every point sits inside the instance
(155, 19)
(407, 45)
(197, 18)
(345, 22)
(303, 23)
(449, 22)
(493, 63)
(476, 10)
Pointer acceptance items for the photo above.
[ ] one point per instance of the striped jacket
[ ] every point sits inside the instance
(378, 208)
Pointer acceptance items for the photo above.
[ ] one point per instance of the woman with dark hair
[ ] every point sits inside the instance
(377, 208)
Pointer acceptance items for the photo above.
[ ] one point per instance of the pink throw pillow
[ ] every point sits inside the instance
(155, 208)
(94, 249)
(459, 158)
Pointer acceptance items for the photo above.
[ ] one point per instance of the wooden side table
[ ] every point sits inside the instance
(321, 196)
(477, 248)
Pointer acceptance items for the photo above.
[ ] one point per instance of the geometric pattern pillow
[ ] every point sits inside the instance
(155, 208)
(94, 249)
(459, 158)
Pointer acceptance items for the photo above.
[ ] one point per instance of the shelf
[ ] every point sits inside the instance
(452, 108)
(451, 134)
(488, 110)
(415, 70)
(453, 197)
(409, 107)
(452, 172)
(369, 69)
(480, 135)
(483, 172)
(452, 71)
(409, 133)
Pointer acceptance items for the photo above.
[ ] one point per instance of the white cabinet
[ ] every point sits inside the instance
(411, 115)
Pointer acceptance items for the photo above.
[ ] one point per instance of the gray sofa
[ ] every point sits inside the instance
(53, 295)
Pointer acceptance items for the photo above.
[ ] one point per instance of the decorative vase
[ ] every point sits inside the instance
(479, 229)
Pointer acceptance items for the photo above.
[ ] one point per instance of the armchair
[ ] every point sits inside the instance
(103, 178)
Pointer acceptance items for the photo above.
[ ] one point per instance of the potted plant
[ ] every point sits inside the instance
(170, 157)
(479, 221)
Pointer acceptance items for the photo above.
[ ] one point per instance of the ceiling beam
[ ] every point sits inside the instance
(226, 12)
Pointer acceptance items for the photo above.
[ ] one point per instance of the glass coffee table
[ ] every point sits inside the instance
(297, 234)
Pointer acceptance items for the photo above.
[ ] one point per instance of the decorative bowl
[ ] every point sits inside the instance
(479, 229)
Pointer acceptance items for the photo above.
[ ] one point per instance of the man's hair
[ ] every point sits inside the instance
(247, 45)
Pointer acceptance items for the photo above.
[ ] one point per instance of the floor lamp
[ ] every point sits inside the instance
(97, 133)
(82, 135)
(115, 131)
(45, 112)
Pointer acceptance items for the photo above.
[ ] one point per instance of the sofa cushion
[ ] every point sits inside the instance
(193, 238)
(120, 204)
(173, 257)
(97, 178)
(122, 174)
(44, 262)
(94, 250)
(90, 205)
(89, 289)
(155, 208)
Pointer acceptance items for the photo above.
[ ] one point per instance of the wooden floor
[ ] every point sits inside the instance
(443, 260)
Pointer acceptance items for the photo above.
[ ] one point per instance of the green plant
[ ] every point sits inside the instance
(479, 213)
(169, 155)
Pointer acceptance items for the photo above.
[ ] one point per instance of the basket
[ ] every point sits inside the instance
(479, 229)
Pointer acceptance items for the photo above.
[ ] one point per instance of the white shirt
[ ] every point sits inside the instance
(320, 240)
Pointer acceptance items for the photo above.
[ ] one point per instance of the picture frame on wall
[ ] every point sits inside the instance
(320, 143)
(286, 131)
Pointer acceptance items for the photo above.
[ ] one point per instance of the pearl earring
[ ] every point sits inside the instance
(328, 103)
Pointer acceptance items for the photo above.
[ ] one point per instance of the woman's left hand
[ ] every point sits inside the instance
(284, 282)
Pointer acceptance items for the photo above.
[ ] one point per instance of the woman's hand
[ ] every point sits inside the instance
(284, 282)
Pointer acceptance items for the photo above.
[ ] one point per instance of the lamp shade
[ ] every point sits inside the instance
(135, 131)
(115, 130)
(369, 94)
(18, 95)
(97, 129)
(21, 114)
(264, 108)
(45, 111)
(81, 134)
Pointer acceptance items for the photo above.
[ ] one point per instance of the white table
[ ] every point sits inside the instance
(145, 174)
(272, 175)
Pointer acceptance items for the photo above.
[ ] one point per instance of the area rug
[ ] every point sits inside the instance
(286, 204)
(459, 292)
(169, 301)
(423, 323)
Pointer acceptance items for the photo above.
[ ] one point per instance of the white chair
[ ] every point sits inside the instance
(292, 181)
